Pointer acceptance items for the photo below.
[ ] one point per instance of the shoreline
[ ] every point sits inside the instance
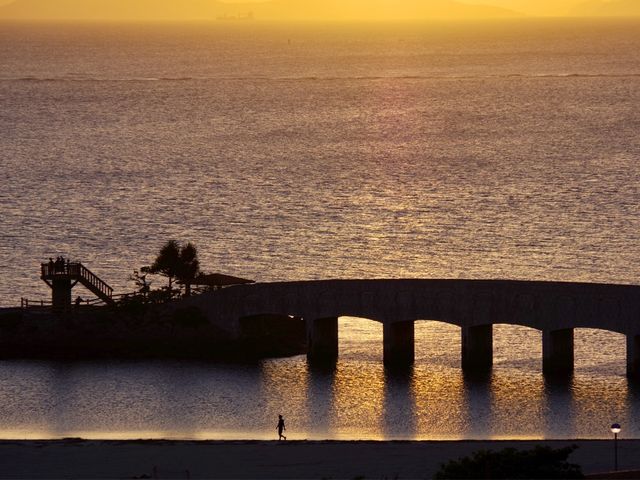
(248, 441)
(242, 459)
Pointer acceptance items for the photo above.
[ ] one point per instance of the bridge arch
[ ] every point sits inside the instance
(555, 308)
(438, 342)
(607, 346)
(517, 344)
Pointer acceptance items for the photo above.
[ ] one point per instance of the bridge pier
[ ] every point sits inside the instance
(322, 340)
(633, 356)
(557, 351)
(477, 348)
(399, 344)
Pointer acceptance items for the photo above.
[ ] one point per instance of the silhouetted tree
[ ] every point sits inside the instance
(540, 462)
(142, 285)
(167, 262)
(189, 266)
(176, 262)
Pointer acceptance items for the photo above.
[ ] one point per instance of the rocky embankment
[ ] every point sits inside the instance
(144, 331)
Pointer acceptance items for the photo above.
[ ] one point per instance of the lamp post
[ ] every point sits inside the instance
(615, 429)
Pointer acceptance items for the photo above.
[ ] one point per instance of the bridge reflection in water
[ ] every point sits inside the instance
(357, 398)
(513, 400)
(554, 308)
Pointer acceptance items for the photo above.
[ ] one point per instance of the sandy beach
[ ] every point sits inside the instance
(259, 459)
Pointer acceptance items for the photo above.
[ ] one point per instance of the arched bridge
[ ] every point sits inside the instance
(555, 308)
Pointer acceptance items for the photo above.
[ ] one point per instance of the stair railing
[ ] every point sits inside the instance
(89, 277)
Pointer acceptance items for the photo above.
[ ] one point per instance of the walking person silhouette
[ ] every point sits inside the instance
(281, 428)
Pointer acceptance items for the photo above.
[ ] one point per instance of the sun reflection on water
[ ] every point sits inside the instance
(356, 399)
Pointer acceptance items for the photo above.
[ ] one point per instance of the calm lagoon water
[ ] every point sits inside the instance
(360, 400)
(505, 150)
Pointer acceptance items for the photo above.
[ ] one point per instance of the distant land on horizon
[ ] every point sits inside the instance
(269, 10)
(184, 10)
(612, 8)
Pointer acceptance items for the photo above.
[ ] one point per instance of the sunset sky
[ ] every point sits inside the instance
(310, 9)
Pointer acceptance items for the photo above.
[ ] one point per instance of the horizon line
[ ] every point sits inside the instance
(222, 21)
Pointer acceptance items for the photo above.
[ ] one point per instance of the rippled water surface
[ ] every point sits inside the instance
(498, 151)
(356, 401)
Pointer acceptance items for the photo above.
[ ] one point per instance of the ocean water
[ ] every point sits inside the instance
(497, 150)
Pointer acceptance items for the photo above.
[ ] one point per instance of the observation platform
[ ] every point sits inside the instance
(63, 276)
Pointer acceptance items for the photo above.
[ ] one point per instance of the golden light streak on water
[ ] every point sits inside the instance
(284, 393)
(358, 393)
(438, 391)
(437, 381)
(360, 399)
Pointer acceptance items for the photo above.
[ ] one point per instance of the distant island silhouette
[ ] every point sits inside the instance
(270, 10)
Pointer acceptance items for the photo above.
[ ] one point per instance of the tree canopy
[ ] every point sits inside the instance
(176, 262)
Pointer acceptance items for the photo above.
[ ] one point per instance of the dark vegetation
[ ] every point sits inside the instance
(540, 462)
(176, 262)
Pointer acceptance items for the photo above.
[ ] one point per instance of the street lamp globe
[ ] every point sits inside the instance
(615, 428)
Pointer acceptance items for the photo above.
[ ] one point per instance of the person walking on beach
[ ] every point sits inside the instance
(281, 428)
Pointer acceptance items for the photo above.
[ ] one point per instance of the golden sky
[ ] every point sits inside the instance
(309, 9)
